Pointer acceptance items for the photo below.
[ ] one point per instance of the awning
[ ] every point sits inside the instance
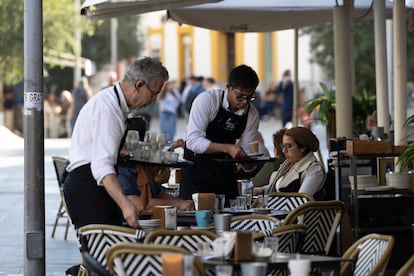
(104, 9)
(266, 15)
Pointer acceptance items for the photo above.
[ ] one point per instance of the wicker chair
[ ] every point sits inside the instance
(408, 268)
(187, 239)
(285, 201)
(370, 254)
(60, 164)
(126, 259)
(290, 241)
(95, 240)
(321, 219)
(256, 223)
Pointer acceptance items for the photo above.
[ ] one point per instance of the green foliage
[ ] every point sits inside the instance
(324, 104)
(97, 46)
(59, 23)
(362, 105)
(406, 157)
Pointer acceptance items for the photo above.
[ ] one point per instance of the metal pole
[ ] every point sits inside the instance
(77, 70)
(34, 201)
(296, 94)
(114, 43)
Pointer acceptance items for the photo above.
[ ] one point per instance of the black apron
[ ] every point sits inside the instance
(208, 175)
(87, 202)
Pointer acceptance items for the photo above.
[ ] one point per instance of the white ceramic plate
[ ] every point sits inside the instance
(378, 189)
(263, 210)
(202, 228)
(255, 154)
(149, 223)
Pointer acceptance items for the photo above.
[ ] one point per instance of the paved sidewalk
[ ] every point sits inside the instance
(60, 254)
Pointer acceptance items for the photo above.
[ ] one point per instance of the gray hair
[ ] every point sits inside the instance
(146, 69)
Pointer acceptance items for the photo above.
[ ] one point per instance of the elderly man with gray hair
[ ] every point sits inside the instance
(92, 190)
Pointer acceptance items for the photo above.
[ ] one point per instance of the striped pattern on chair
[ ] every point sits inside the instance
(321, 219)
(97, 238)
(290, 240)
(187, 239)
(255, 223)
(285, 201)
(143, 259)
(372, 253)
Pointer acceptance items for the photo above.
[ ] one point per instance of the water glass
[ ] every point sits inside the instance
(272, 243)
(219, 202)
(241, 202)
(233, 204)
(224, 270)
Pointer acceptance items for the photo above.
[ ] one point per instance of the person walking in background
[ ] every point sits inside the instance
(285, 90)
(168, 104)
(209, 83)
(219, 118)
(51, 111)
(92, 190)
(81, 94)
(65, 101)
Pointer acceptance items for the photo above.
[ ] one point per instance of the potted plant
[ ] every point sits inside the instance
(324, 105)
(406, 157)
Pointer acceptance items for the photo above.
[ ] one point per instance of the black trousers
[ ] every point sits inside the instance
(87, 202)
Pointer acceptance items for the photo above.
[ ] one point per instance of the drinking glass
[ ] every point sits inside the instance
(131, 140)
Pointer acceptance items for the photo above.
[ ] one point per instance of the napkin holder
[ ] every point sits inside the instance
(159, 212)
(204, 201)
(243, 246)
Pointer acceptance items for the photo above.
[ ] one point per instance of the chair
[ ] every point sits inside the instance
(127, 259)
(408, 268)
(370, 255)
(285, 201)
(321, 219)
(95, 240)
(290, 237)
(290, 241)
(255, 223)
(60, 164)
(187, 239)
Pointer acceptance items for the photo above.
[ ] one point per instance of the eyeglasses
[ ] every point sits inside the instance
(240, 97)
(287, 146)
(154, 93)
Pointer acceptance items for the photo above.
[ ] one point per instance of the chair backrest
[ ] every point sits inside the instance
(407, 268)
(187, 239)
(290, 237)
(371, 254)
(126, 259)
(97, 238)
(321, 219)
(285, 201)
(254, 223)
(60, 164)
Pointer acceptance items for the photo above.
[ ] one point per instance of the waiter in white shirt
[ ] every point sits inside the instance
(92, 191)
(219, 118)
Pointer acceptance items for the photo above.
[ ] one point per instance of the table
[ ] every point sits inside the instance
(325, 263)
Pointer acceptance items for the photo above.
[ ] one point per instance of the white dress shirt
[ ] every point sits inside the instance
(98, 132)
(204, 110)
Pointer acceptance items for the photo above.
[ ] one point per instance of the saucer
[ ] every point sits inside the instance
(202, 228)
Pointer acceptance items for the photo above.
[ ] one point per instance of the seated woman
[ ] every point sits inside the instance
(301, 171)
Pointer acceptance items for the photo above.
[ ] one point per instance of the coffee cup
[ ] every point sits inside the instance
(254, 147)
(299, 267)
(222, 222)
(202, 217)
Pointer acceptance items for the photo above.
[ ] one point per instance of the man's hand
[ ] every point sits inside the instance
(130, 213)
(236, 151)
(186, 205)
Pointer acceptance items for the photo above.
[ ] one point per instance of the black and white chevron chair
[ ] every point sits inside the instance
(187, 239)
(407, 268)
(370, 254)
(321, 219)
(126, 259)
(95, 240)
(285, 201)
(254, 223)
(290, 241)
